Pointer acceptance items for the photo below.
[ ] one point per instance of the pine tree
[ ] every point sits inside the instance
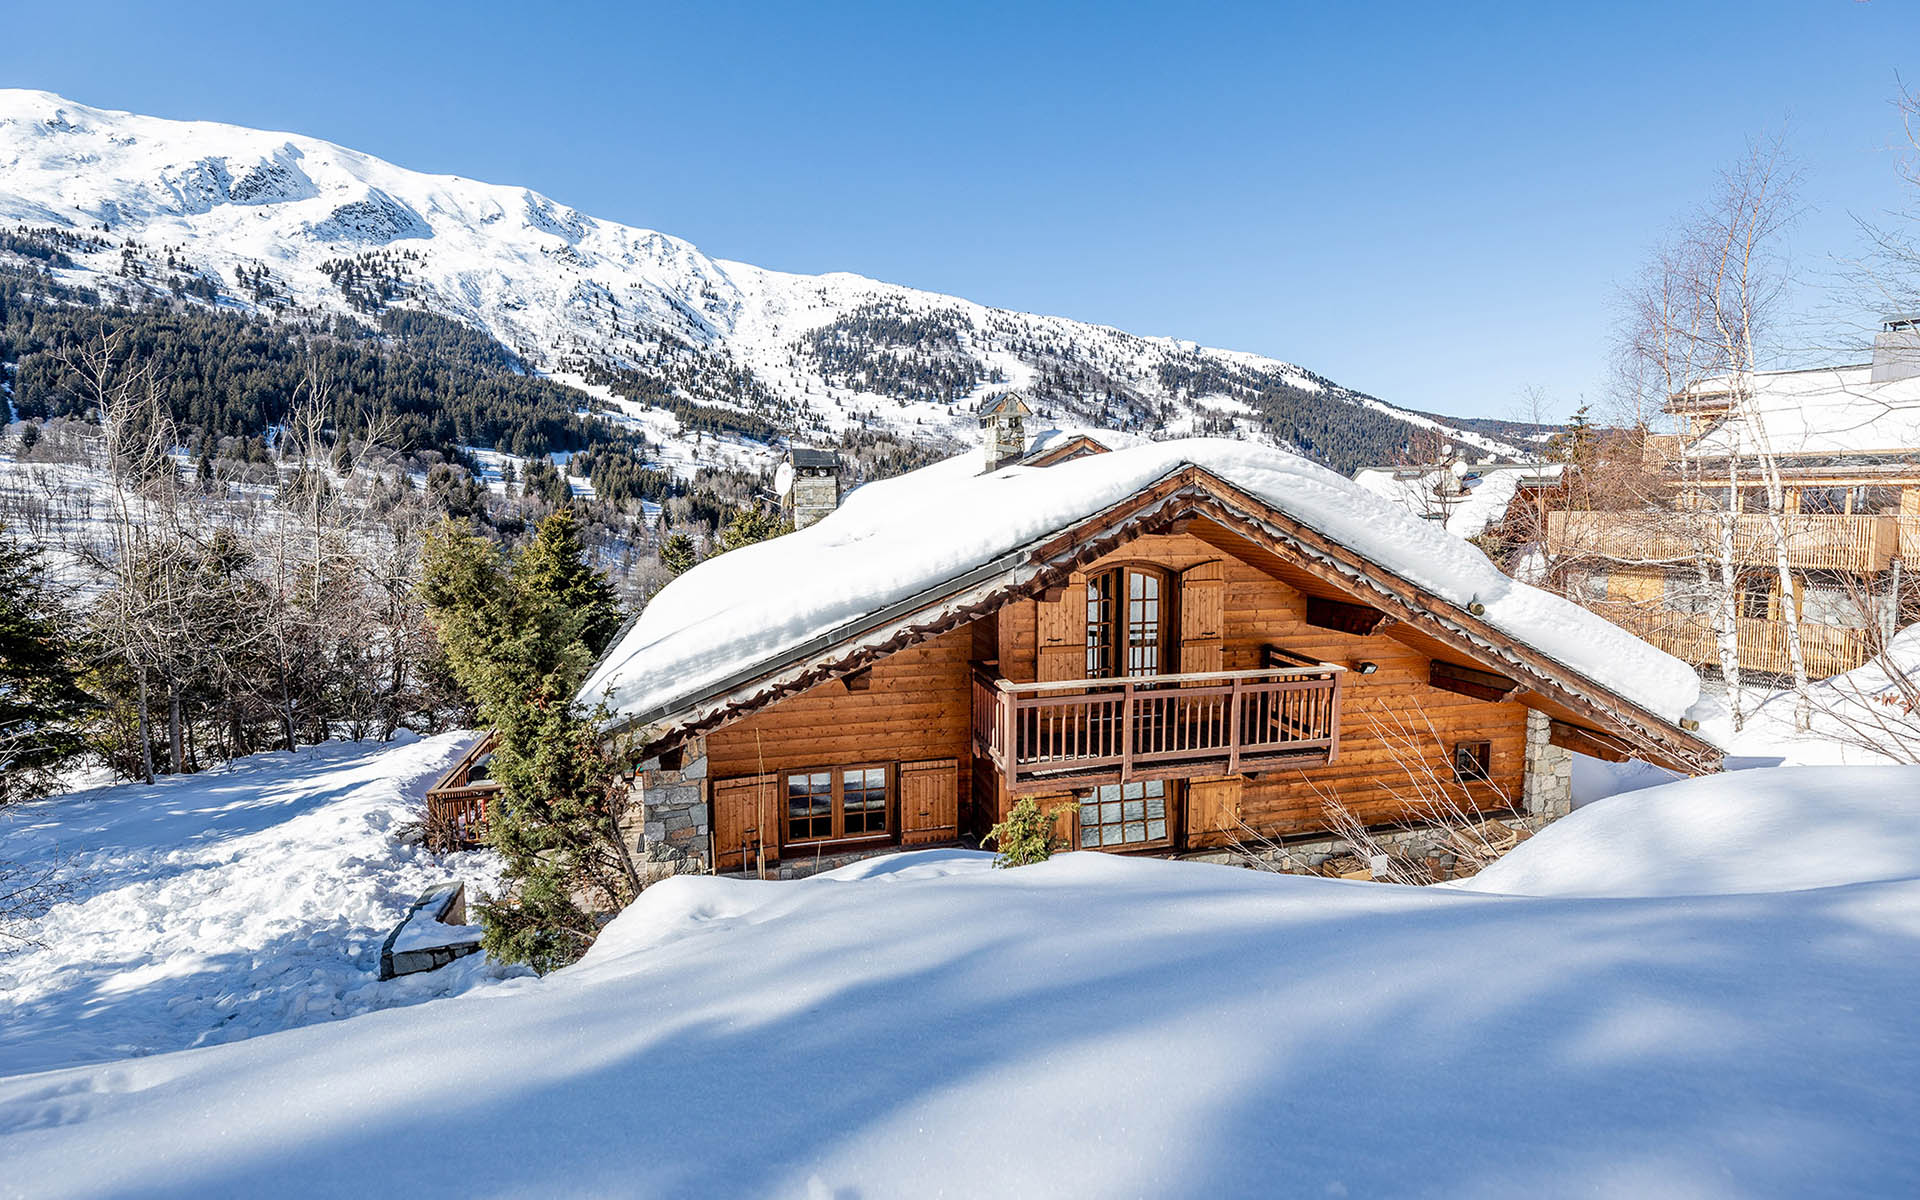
(520, 638)
(750, 525)
(677, 553)
(1576, 444)
(41, 702)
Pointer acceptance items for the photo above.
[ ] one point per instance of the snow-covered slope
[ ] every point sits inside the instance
(219, 906)
(272, 219)
(1766, 830)
(925, 1025)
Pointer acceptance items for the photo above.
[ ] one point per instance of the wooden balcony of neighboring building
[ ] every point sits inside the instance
(1088, 732)
(1862, 545)
(457, 803)
(1827, 649)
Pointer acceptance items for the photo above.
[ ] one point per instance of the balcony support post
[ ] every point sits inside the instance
(1233, 730)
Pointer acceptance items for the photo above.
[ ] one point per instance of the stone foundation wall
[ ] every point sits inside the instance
(667, 823)
(1547, 784)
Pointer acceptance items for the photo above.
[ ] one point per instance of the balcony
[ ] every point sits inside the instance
(1863, 545)
(1083, 733)
(1827, 649)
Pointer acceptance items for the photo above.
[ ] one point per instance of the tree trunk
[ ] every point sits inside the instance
(1727, 617)
(146, 735)
(176, 738)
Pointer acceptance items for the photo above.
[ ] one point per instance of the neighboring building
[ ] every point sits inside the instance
(1847, 440)
(1201, 641)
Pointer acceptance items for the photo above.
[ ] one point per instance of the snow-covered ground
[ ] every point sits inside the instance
(214, 907)
(1865, 705)
(1668, 1022)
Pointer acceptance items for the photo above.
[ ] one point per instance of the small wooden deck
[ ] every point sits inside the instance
(1090, 732)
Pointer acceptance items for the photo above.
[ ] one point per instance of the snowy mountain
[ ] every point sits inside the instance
(253, 220)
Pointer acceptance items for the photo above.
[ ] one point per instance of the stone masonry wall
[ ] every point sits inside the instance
(1547, 784)
(668, 822)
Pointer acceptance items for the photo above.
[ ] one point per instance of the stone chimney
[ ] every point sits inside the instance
(1003, 430)
(1896, 348)
(813, 485)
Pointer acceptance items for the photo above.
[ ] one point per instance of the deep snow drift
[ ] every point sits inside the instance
(1095, 1026)
(218, 906)
(1774, 830)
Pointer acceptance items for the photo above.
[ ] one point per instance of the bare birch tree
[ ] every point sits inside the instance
(1701, 323)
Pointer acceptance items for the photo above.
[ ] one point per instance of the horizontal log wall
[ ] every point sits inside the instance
(1371, 777)
(915, 706)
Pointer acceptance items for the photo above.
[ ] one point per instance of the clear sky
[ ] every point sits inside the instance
(1433, 202)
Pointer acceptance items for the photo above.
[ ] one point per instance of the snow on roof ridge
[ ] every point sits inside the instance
(899, 538)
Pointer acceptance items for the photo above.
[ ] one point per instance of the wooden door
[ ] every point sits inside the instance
(1202, 617)
(1213, 811)
(929, 801)
(746, 821)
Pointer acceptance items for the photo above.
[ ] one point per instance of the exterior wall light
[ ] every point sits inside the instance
(1366, 667)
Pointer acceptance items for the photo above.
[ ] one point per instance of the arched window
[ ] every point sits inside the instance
(1127, 622)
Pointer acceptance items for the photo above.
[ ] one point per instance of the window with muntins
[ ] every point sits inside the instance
(810, 806)
(1126, 623)
(1124, 815)
(837, 802)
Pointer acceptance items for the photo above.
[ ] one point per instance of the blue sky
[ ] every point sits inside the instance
(1432, 202)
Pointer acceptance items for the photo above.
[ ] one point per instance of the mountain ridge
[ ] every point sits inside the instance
(280, 222)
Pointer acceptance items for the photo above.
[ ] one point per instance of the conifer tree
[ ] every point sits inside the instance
(677, 553)
(750, 525)
(41, 702)
(520, 638)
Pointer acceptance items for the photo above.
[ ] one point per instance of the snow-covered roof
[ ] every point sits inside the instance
(1836, 410)
(929, 532)
(1490, 490)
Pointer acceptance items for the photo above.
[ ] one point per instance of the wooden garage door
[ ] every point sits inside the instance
(929, 801)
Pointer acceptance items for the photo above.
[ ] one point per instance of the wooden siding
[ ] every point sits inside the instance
(914, 708)
(1392, 720)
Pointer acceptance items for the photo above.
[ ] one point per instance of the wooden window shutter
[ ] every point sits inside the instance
(1213, 811)
(1203, 594)
(1062, 633)
(746, 814)
(929, 801)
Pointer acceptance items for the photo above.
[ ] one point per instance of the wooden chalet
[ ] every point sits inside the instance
(1846, 442)
(1192, 662)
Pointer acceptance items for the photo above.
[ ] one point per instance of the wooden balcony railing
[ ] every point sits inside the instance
(1860, 544)
(1089, 732)
(457, 817)
(1827, 649)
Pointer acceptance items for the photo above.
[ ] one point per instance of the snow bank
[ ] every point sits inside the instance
(1743, 831)
(1845, 707)
(1092, 1026)
(895, 539)
(214, 907)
